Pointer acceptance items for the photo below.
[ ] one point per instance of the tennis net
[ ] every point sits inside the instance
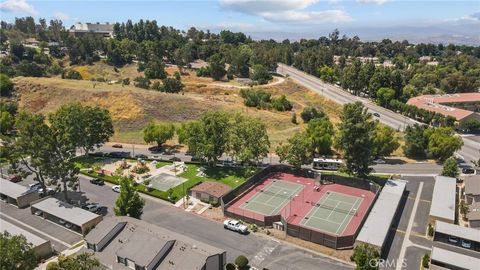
(351, 212)
(276, 194)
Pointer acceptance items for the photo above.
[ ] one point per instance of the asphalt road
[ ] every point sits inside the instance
(393, 168)
(470, 151)
(261, 251)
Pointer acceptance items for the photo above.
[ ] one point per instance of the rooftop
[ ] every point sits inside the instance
(12, 190)
(377, 225)
(443, 199)
(474, 211)
(94, 27)
(212, 188)
(141, 242)
(457, 230)
(14, 230)
(434, 103)
(65, 211)
(472, 185)
(454, 258)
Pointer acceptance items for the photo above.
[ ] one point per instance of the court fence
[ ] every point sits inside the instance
(308, 234)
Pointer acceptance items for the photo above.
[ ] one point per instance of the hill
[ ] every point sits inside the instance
(133, 108)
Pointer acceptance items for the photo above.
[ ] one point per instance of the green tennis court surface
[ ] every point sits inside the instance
(272, 198)
(332, 213)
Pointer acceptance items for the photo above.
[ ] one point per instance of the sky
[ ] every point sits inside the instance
(270, 18)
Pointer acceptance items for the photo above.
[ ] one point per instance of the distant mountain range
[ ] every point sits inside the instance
(457, 32)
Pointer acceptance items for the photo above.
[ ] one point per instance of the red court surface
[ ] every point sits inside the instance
(302, 203)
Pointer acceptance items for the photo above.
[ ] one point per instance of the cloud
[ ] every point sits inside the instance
(18, 6)
(309, 16)
(292, 11)
(60, 16)
(378, 2)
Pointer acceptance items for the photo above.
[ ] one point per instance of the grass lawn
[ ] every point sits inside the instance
(232, 177)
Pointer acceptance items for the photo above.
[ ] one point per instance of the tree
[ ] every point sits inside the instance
(216, 66)
(6, 86)
(415, 141)
(364, 255)
(385, 141)
(356, 134)
(129, 203)
(82, 261)
(248, 139)
(297, 151)
(84, 126)
(282, 104)
(158, 133)
(171, 85)
(293, 119)
(442, 143)
(310, 113)
(142, 82)
(214, 136)
(472, 125)
(241, 262)
(320, 131)
(16, 252)
(327, 74)
(450, 167)
(260, 74)
(385, 95)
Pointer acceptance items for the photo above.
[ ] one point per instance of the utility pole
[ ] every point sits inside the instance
(133, 150)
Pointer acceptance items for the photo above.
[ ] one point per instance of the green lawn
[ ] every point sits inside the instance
(232, 177)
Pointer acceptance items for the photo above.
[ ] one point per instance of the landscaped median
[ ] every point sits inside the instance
(231, 176)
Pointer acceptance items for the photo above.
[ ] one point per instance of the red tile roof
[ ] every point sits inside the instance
(434, 103)
(212, 188)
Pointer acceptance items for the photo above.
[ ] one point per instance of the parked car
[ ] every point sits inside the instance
(15, 178)
(142, 156)
(34, 187)
(466, 244)
(38, 213)
(97, 181)
(379, 161)
(235, 225)
(92, 207)
(50, 191)
(62, 222)
(175, 159)
(453, 239)
(468, 170)
(68, 225)
(376, 114)
(117, 145)
(155, 149)
(116, 188)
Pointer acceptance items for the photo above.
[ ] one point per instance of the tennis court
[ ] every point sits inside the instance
(332, 213)
(272, 198)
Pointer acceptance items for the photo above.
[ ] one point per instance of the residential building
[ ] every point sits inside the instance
(210, 192)
(461, 106)
(473, 215)
(446, 259)
(443, 202)
(128, 243)
(100, 29)
(471, 189)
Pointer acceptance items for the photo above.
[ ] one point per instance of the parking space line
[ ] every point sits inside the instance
(36, 230)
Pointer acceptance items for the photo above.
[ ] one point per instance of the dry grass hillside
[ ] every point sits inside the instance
(132, 108)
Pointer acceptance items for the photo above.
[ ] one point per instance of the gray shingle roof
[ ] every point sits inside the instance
(472, 185)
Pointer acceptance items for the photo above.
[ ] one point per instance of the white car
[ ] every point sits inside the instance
(379, 161)
(92, 207)
(116, 188)
(235, 225)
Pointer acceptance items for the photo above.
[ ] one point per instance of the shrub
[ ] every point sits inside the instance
(241, 262)
(6, 85)
(71, 74)
(426, 260)
(256, 98)
(142, 82)
(203, 72)
(230, 266)
(310, 113)
(282, 104)
(430, 230)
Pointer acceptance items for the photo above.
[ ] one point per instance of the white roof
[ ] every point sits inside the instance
(65, 211)
(377, 225)
(327, 160)
(12, 190)
(457, 230)
(14, 230)
(443, 199)
(454, 258)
